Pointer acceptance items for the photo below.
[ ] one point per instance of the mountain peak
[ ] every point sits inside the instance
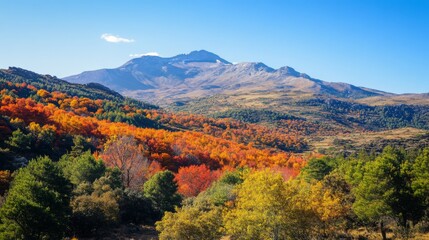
(200, 56)
(201, 52)
(255, 66)
(286, 70)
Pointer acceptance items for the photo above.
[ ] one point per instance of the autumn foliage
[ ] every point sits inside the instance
(194, 179)
(285, 138)
(171, 149)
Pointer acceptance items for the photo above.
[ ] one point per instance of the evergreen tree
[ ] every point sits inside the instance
(82, 168)
(385, 191)
(96, 205)
(161, 189)
(37, 206)
(318, 168)
(420, 184)
(20, 141)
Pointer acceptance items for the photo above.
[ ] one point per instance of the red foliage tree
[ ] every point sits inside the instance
(194, 179)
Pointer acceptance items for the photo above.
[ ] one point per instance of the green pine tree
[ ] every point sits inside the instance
(37, 206)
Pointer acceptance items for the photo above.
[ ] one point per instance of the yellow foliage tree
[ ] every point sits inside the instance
(261, 208)
(191, 223)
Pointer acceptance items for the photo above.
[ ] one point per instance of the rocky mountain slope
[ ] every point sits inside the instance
(201, 74)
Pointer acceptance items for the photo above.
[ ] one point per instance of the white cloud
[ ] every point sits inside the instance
(136, 55)
(115, 39)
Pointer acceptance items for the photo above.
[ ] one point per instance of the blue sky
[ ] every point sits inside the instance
(372, 43)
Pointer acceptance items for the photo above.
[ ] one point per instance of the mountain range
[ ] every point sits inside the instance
(203, 74)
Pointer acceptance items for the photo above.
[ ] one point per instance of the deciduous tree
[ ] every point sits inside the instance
(194, 179)
(261, 208)
(124, 153)
(191, 223)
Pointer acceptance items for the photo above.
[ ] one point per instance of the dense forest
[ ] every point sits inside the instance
(81, 160)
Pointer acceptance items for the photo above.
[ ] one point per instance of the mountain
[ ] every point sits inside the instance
(202, 73)
(151, 72)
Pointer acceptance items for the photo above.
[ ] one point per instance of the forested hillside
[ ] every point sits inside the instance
(326, 112)
(26, 109)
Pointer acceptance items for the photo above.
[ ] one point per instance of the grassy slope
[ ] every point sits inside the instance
(340, 141)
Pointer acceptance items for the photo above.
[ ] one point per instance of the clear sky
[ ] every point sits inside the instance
(372, 43)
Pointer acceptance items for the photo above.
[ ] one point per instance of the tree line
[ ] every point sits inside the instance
(83, 195)
(332, 198)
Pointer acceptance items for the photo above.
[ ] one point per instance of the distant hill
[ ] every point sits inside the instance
(50, 83)
(202, 73)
